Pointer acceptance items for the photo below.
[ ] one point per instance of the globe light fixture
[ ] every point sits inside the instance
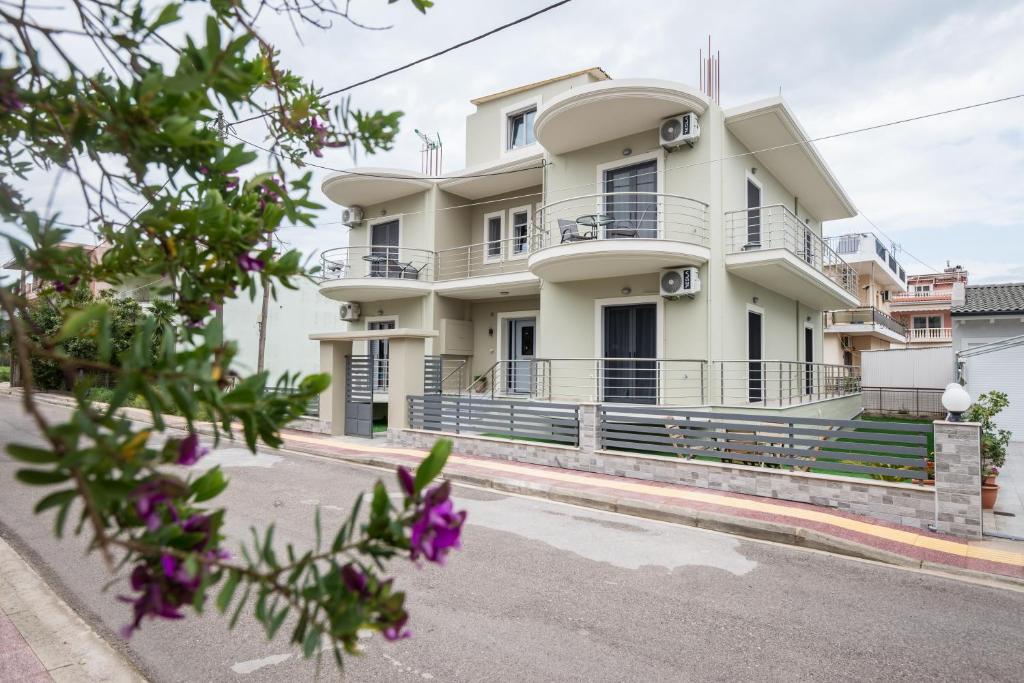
(956, 400)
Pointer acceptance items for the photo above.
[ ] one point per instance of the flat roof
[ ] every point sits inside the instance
(595, 71)
(358, 335)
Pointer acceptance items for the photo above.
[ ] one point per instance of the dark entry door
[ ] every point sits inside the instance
(753, 215)
(630, 339)
(384, 250)
(631, 201)
(755, 364)
(809, 360)
(521, 353)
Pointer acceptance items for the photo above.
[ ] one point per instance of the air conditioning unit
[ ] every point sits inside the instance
(353, 215)
(677, 282)
(349, 312)
(679, 130)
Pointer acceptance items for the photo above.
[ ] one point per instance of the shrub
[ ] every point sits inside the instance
(994, 440)
(5, 373)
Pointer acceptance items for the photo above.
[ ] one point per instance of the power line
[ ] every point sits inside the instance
(434, 55)
(892, 243)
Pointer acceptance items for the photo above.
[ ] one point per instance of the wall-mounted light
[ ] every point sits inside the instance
(956, 400)
(380, 311)
(490, 331)
(503, 293)
(753, 170)
(626, 291)
(626, 152)
(755, 299)
(808, 318)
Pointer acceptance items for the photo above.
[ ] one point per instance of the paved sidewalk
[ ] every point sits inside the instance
(42, 639)
(775, 520)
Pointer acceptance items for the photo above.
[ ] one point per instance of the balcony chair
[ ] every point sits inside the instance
(620, 230)
(409, 271)
(571, 232)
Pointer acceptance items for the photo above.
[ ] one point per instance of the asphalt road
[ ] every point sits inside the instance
(552, 592)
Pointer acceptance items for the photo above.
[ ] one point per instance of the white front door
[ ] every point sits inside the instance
(520, 353)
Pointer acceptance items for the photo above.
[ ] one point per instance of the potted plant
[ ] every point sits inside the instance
(994, 442)
(480, 384)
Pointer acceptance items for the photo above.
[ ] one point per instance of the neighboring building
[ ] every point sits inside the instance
(924, 308)
(869, 327)
(985, 317)
(30, 284)
(544, 264)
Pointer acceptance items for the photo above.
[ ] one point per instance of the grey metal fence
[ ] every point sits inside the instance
(312, 408)
(530, 420)
(880, 449)
(902, 401)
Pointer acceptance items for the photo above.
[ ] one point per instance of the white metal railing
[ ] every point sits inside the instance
(866, 245)
(781, 383)
(931, 333)
(776, 227)
(398, 263)
(506, 255)
(621, 215)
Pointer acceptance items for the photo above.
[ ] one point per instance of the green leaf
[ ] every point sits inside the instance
(228, 590)
(41, 477)
(54, 499)
(432, 464)
(209, 485)
(36, 456)
(317, 528)
(77, 321)
(239, 607)
(310, 643)
(61, 519)
(275, 622)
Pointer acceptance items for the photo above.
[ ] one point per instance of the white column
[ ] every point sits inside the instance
(332, 401)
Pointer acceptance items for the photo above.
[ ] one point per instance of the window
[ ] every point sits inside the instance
(520, 128)
(927, 322)
(520, 226)
(753, 214)
(922, 290)
(492, 237)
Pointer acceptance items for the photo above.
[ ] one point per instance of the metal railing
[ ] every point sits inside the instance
(776, 227)
(902, 401)
(867, 245)
(484, 258)
(781, 383)
(931, 333)
(621, 215)
(867, 315)
(398, 263)
(912, 298)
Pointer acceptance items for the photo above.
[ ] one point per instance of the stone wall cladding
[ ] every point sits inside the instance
(906, 504)
(958, 478)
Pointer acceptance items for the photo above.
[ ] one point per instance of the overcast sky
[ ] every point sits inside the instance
(948, 188)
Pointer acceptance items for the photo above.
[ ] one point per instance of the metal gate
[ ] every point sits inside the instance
(359, 395)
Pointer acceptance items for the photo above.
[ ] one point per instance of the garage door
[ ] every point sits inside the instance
(1004, 371)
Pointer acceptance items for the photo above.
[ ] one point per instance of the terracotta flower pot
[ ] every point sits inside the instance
(988, 496)
(989, 480)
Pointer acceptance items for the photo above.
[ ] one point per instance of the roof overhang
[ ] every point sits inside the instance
(357, 335)
(488, 180)
(608, 110)
(368, 186)
(794, 161)
(595, 72)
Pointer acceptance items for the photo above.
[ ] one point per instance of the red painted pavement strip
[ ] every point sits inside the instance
(17, 660)
(535, 474)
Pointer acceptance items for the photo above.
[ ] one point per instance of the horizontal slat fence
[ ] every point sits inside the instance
(881, 449)
(530, 420)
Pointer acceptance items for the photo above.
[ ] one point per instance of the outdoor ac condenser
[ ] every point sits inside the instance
(349, 312)
(677, 282)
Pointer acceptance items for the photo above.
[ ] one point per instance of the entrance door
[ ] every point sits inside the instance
(630, 341)
(630, 200)
(378, 352)
(753, 215)
(755, 364)
(384, 250)
(809, 360)
(521, 352)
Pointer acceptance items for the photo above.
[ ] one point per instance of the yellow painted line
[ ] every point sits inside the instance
(868, 529)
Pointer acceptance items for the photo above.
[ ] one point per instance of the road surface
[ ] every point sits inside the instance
(551, 592)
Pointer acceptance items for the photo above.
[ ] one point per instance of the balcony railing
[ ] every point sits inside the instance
(662, 381)
(486, 258)
(912, 298)
(621, 215)
(920, 334)
(398, 263)
(867, 316)
(776, 227)
(866, 245)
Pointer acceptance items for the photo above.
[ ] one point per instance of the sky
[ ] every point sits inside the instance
(944, 189)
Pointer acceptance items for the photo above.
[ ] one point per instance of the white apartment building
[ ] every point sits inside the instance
(870, 326)
(609, 241)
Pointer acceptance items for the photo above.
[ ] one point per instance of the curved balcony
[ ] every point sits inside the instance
(611, 234)
(608, 110)
(376, 273)
(772, 247)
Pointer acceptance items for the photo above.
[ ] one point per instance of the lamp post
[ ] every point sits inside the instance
(955, 400)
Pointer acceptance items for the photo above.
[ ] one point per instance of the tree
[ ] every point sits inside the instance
(165, 192)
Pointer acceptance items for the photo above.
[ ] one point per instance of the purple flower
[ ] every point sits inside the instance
(10, 101)
(397, 630)
(405, 478)
(250, 263)
(149, 497)
(437, 528)
(354, 579)
(163, 591)
(189, 450)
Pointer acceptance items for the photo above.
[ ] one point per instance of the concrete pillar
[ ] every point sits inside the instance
(405, 378)
(588, 427)
(958, 478)
(332, 401)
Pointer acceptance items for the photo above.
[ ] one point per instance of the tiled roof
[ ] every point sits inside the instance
(1002, 298)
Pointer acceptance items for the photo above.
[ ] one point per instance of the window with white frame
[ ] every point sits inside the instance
(927, 322)
(519, 230)
(520, 128)
(922, 290)
(492, 236)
